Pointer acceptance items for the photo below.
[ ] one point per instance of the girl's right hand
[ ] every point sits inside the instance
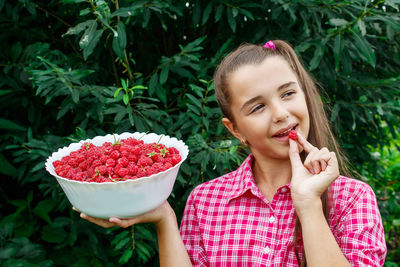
(156, 216)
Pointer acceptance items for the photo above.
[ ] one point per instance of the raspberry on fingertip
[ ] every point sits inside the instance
(293, 135)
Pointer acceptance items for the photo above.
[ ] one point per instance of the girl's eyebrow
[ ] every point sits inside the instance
(257, 98)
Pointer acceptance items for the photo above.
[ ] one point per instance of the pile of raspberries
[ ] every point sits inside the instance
(126, 159)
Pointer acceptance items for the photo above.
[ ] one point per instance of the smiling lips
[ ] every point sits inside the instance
(285, 132)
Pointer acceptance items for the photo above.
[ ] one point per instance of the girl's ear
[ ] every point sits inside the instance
(232, 128)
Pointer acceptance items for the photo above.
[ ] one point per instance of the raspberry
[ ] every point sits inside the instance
(176, 158)
(132, 158)
(123, 172)
(132, 168)
(104, 159)
(102, 169)
(57, 163)
(173, 150)
(167, 165)
(96, 163)
(122, 160)
(110, 163)
(144, 161)
(140, 173)
(293, 135)
(115, 154)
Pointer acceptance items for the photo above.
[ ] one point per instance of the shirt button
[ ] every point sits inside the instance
(283, 190)
(272, 219)
(267, 250)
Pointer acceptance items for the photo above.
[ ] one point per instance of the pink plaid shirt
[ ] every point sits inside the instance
(228, 222)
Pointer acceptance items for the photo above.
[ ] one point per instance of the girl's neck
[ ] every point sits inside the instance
(271, 173)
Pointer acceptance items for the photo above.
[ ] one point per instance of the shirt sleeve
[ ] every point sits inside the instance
(191, 234)
(361, 235)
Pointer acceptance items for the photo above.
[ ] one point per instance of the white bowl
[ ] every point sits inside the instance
(121, 199)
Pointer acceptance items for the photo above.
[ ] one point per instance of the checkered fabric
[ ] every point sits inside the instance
(228, 222)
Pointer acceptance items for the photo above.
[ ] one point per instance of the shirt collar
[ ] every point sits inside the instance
(243, 179)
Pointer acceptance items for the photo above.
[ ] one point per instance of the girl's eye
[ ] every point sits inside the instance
(289, 93)
(256, 108)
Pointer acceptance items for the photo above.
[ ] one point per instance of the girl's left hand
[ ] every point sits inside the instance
(311, 179)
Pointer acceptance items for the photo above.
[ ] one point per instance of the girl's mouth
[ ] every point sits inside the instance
(284, 136)
(285, 133)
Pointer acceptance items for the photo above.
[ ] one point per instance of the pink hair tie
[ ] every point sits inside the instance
(270, 45)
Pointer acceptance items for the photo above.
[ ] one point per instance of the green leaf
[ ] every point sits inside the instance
(318, 54)
(43, 208)
(196, 101)
(128, 11)
(125, 256)
(365, 49)
(337, 50)
(124, 84)
(73, 1)
(140, 87)
(122, 243)
(75, 95)
(390, 3)
(80, 27)
(119, 40)
(6, 167)
(89, 39)
(5, 92)
(125, 98)
(338, 22)
(84, 12)
(53, 234)
(164, 75)
(361, 25)
(196, 13)
(218, 13)
(146, 17)
(206, 13)
(246, 13)
(9, 125)
(335, 112)
(231, 20)
(7, 253)
(117, 92)
(153, 84)
(2, 4)
(235, 12)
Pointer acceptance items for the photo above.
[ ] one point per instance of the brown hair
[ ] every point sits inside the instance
(320, 134)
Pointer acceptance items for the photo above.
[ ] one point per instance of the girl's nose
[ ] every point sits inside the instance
(279, 112)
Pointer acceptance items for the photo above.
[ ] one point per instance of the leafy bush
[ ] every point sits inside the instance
(74, 69)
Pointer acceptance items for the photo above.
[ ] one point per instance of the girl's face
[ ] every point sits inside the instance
(266, 103)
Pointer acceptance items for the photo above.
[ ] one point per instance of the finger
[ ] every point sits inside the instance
(323, 165)
(316, 167)
(100, 222)
(309, 163)
(294, 156)
(124, 223)
(308, 147)
(322, 157)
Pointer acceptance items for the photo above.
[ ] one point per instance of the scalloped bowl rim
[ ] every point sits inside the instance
(183, 152)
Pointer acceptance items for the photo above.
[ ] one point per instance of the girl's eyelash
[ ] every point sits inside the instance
(257, 107)
(289, 93)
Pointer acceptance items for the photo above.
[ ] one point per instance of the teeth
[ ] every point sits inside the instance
(285, 133)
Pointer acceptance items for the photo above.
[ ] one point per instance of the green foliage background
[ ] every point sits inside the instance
(74, 69)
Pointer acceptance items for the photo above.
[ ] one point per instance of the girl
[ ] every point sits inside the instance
(287, 204)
